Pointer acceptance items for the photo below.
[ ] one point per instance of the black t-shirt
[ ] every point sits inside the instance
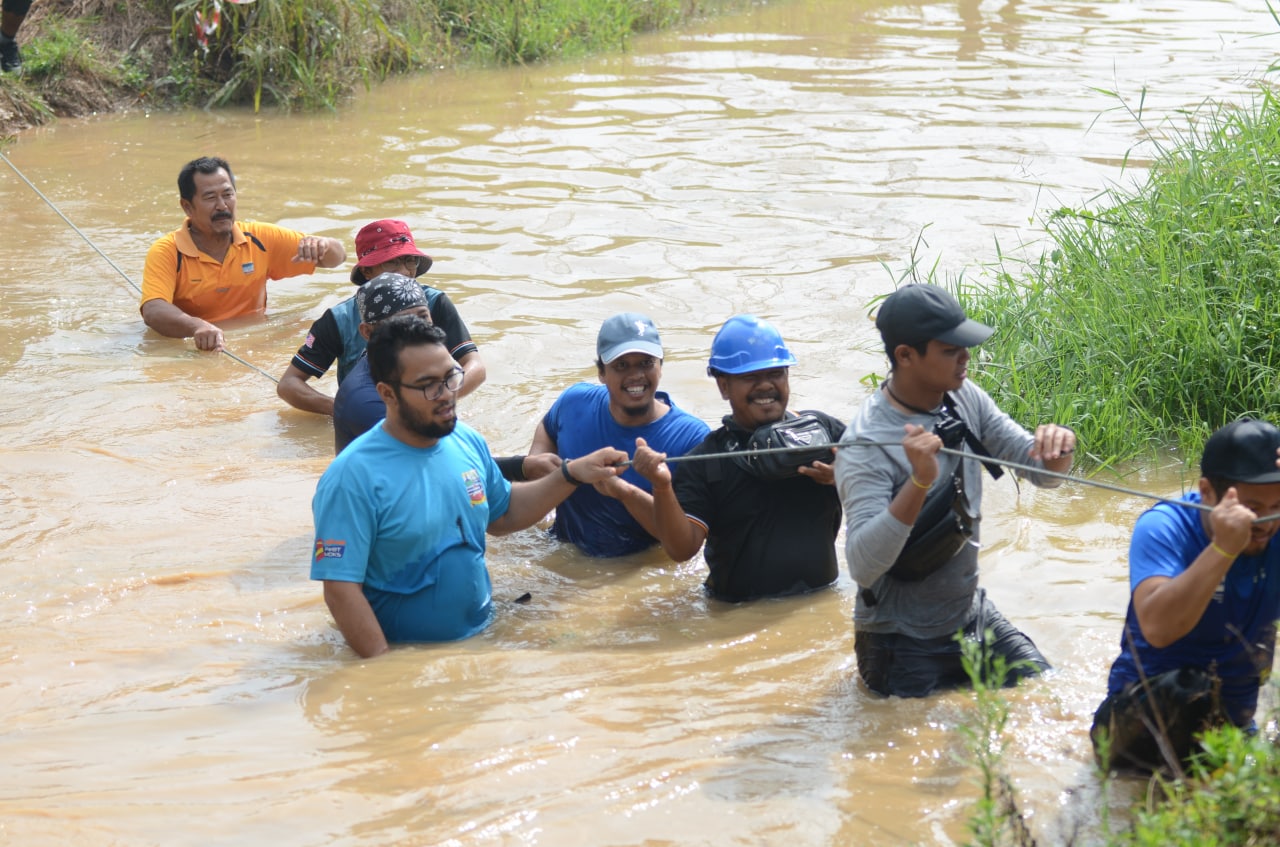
(324, 344)
(764, 537)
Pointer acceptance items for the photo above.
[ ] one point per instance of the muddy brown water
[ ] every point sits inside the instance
(168, 674)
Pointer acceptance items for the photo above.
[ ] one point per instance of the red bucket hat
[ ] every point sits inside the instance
(382, 241)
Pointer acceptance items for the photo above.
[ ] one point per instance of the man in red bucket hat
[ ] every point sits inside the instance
(384, 246)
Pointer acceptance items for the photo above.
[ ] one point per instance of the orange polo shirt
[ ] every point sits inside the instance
(178, 273)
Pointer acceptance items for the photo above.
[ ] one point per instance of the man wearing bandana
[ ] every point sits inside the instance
(384, 246)
(358, 407)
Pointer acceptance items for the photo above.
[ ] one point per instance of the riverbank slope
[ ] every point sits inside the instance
(84, 57)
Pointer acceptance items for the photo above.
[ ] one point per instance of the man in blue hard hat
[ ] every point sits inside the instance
(1200, 631)
(769, 527)
(615, 517)
(913, 511)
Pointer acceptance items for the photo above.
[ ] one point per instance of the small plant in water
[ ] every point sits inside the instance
(998, 819)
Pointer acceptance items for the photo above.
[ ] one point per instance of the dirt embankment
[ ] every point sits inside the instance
(91, 83)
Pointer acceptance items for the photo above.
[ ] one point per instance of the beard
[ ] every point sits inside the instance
(419, 425)
(638, 408)
(433, 430)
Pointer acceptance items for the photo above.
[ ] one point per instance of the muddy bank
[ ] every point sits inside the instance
(84, 57)
(87, 82)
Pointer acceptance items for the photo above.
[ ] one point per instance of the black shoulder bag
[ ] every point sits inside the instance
(945, 524)
(947, 520)
(804, 434)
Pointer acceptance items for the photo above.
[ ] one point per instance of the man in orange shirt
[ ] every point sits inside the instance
(214, 267)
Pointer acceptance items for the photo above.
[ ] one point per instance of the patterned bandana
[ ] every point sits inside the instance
(385, 295)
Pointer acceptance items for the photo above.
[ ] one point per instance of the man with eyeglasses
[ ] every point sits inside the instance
(384, 246)
(401, 515)
(357, 407)
(214, 267)
(615, 517)
(769, 530)
(913, 511)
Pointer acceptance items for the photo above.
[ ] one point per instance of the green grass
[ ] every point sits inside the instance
(304, 53)
(312, 54)
(1232, 797)
(1228, 797)
(1150, 318)
(60, 51)
(523, 31)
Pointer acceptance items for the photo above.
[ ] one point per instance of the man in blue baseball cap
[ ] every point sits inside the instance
(1199, 634)
(769, 522)
(912, 511)
(615, 517)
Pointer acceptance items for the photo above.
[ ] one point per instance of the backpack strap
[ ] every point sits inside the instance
(949, 406)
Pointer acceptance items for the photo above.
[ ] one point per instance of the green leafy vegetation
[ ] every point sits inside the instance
(62, 51)
(307, 54)
(1149, 321)
(1229, 796)
(521, 31)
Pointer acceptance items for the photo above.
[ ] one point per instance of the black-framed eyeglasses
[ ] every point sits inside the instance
(433, 388)
(406, 261)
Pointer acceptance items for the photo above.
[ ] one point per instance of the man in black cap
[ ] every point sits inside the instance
(1199, 633)
(912, 511)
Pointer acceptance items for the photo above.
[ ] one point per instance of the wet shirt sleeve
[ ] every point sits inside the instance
(445, 315)
(321, 348)
(345, 526)
(282, 246)
(160, 270)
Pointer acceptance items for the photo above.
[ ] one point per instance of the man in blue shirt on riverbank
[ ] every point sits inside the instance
(1199, 633)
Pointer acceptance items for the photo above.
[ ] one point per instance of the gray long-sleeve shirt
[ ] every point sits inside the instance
(868, 478)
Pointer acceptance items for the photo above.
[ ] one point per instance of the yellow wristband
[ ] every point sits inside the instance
(917, 483)
(1221, 552)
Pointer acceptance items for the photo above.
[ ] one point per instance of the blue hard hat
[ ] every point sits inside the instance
(745, 344)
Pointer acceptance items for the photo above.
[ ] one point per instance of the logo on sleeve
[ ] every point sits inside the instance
(327, 548)
(475, 487)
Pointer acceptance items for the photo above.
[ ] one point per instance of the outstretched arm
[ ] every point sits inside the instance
(321, 251)
(680, 537)
(530, 501)
(473, 366)
(1055, 446)
(637, 501)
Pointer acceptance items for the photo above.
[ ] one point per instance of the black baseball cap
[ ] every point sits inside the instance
(916, 314)
(1242, 451)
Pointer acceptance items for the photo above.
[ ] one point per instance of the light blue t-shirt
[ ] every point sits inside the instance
(408, 523)
(1233, 635)
(580, 422)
